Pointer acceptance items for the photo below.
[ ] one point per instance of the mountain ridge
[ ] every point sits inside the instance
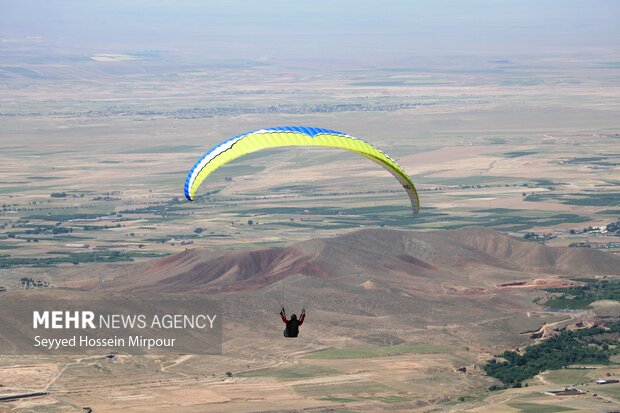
(471, 257)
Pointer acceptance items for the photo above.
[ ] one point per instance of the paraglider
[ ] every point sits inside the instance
(283, 136)
(292, 326)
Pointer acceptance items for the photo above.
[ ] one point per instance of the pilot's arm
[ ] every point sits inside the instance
(302, 317)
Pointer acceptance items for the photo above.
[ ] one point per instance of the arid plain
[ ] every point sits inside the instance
(93, 155)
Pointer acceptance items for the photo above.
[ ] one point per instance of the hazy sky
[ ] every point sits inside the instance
(317, 29)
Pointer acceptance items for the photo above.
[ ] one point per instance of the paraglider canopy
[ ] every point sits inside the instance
(283, 136)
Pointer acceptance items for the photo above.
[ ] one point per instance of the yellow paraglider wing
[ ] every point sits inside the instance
(254, 141)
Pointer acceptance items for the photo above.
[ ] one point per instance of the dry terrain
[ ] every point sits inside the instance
(94, 149)
(392, 317)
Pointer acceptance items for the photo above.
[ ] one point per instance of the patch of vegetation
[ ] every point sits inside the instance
(612, 391)
(534, 198)
(370, 352)
(161, 209)
(504, 221)
(569, 347)
(159, 240)
(327, 225)
(585, 159)
(76, 258)
(605, 163)
(583, 199)
(182, 236)
(539, 408)
(297, 188)
(65, 217)
(470, 181)
(379, 209)
(55, 231)
(299, 371)
(580, 297)
(338, 399)
(499, 211)
(394, 399)
(546, 182)
(564, 218)
(599, 199)
(101, 368)
(294, 211)
(568, 376)
(516, 228)
(518, 154)
(99, 227)
(146, 254)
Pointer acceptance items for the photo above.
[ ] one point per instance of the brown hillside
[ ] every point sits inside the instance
(469, 258)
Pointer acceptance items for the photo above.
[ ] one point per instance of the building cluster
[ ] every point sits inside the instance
(565, 391)
(573, 391)
(607, 381)
(611, 229)
(587, 244)
(28, 282)
(532, 236)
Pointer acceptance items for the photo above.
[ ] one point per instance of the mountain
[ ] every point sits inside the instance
(468, 259)
(471, 287)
